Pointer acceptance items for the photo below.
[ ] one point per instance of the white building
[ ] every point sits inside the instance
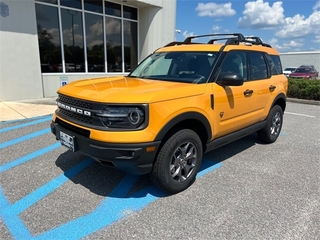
(296, 59)
(47, 43)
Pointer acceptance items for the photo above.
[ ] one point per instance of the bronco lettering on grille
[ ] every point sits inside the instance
(73, 109)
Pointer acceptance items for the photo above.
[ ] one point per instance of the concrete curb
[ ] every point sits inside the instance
(303, 101)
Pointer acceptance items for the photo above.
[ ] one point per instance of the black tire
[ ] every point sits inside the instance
(272, 129)
(178, 162)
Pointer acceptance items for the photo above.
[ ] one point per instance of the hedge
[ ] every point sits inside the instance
(304, 89)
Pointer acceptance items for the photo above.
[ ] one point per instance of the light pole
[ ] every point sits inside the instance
(73, 13)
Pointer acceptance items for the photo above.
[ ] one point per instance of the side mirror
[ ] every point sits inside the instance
(231, 79)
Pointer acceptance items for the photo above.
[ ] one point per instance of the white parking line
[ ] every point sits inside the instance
(298, 114)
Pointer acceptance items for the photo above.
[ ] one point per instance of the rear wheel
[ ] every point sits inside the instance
(271, 131)
(178, 162)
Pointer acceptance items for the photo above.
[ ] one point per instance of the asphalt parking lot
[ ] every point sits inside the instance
(245, 190)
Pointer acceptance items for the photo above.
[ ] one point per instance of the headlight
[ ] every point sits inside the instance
(123, 117)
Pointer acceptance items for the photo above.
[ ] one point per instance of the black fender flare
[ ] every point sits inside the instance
(281, 97)
(193, 116)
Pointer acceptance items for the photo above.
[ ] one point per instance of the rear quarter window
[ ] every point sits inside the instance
(275, 64)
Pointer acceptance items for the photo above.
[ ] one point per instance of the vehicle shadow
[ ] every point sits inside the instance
(109, 182)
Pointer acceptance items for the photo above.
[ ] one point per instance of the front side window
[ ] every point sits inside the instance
(188, 67)
(234, 63)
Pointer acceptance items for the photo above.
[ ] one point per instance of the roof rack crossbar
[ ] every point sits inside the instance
(233, 39)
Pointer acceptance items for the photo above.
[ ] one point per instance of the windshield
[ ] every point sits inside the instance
(303, 70)
(188, 67)
(290, 69)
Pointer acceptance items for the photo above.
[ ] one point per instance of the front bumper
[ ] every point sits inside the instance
(129, 158)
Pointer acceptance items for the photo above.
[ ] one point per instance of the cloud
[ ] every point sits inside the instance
(186, 34)
(216, 28)
(299, 26)
(317, 40)
(316, 6)
(215, 10)
(76, 36)
(261, 15)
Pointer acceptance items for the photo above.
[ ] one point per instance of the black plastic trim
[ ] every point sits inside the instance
(184, 117)
(219, 142)
(130, 158)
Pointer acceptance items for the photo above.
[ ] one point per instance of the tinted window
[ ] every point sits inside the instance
(129, 12)
(72, 40)
(93, 5)
(94, 39)
(130, 45)
(257, 66)
(48, 1)
(71, 3)
(48, 37)
(277, 62)
(273, 68)
(113, 9)
(114, 52)
(234, 63)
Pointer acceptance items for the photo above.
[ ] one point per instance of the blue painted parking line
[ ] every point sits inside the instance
(28, 157)
(114, 207)
(26, 202)
(12, 221)
(41, 120)
(26, 137)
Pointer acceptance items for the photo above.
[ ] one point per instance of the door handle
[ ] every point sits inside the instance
(248, 92)
(272, 88)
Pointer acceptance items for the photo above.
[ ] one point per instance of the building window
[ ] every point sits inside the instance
(71, 3)
(94, 39)
(113, 36)
(113, 9)
(72, 40)
(130, 45)
(49, 38)
(93, 5)
(86, 36)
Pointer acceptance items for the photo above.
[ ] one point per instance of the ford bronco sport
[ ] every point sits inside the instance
(183, 100)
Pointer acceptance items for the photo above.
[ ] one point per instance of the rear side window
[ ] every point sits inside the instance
(277, 63)
(257, 66)
(273, 68)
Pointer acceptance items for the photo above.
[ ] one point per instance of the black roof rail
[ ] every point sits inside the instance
(231, 39)
(256, 41)
(238, 35)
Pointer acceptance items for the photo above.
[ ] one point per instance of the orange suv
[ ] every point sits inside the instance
(183, 100)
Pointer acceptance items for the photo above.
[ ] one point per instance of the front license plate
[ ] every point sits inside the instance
(67, 141)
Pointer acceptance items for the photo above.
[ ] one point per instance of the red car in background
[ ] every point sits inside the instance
(305, 72)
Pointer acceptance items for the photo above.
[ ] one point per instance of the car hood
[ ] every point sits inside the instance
(130, 90)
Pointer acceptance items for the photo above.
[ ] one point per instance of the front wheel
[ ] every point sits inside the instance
(271, 130)
(178, 162)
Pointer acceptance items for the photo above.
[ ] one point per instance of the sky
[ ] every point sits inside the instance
(288, 25)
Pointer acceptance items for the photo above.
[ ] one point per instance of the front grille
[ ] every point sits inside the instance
(75, 102)
(80, 111)
(75, 116)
